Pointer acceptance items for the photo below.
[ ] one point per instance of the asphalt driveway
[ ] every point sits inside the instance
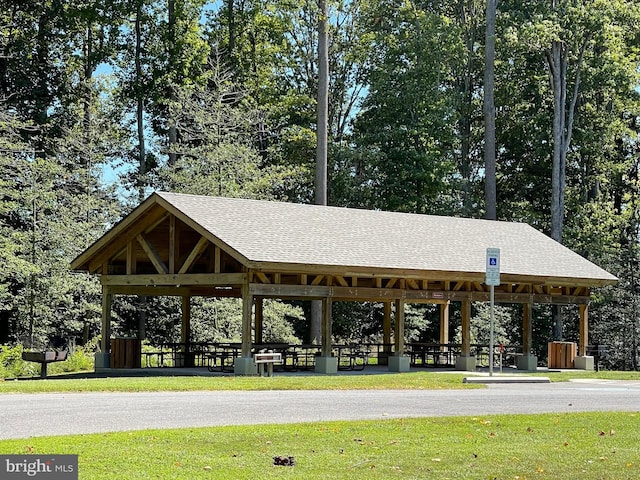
(27, 415)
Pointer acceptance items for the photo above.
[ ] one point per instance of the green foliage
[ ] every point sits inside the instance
(226, 100)
(12, 365)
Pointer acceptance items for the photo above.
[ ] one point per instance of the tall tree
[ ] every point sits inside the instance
(490, 112)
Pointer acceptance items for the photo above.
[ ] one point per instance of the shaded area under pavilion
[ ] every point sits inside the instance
(190, 245)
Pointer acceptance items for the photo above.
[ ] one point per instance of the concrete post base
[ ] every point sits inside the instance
(527, 362)
(328, 365)
(466, 364)
(399, 363)
(244, 366)
(102, 361)
(584, 363)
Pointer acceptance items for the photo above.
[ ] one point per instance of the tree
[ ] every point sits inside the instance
(489, 111)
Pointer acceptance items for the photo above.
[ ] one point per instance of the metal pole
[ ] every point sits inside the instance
(491, 334)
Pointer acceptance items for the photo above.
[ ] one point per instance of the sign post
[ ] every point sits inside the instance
(492, 279)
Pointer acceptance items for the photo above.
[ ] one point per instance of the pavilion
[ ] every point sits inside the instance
(189, 245)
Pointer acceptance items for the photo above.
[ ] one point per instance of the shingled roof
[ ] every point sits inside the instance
(292, 236)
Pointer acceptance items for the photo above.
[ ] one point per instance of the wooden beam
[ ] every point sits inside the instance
(290, 291)
(327, 326)
(149, 291)
(247, 310)
(262, 277)
(465, 310)
(410, 296)
(172, 244)
(198, 250)
(131, 259)
(107, 300)
(527, 328)
(386, 327)
(152, 254)
(444, 322)
(584, 330)
(119, 243)
(209, 279)
(399, 328)
(217, 255)
(259, 320)
(341, 281)
(317, 280)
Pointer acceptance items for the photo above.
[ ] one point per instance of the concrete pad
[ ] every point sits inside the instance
(244, 366)
(102, 360)
(584, 363)
(327, 365)
(527, 362)
(399, 363)
(466, 364)
(504, 379)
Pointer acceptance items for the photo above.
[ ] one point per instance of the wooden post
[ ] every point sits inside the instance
(172, 244)
(107, 300)
(444, 323)
(527, 329)
(386, 327)
(584, 330)
(185, 331)
(399, 328)
(327, 326)
(247, 307)
(466, 328)
(259, 332)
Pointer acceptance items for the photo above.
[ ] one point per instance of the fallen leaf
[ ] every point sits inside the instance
(602, 434)
(436, 460)
(529, 429)
(565, 444)
(612, 432)
(540, 470)
(207, 468)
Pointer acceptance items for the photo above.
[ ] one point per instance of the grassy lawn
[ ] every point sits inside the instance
(427, 379)
(559, 446)
(417, 380)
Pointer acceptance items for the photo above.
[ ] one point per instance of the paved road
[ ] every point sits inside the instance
(23, 416)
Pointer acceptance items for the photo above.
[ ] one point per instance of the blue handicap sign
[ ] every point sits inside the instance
(493, 261)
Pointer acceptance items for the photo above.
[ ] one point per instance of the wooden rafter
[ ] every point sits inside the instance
(152, 254)
(341, 281)
(262, 277)
(198, 250)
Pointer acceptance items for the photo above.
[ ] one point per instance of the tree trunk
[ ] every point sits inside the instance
(142, 158)
(171, 120)
(490, 112)
(322, 135)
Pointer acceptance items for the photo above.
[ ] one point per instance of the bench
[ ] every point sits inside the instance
(45, 358)
(266, 358)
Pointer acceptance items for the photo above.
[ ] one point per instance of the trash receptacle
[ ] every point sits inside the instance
(562, 354)
(126, 352)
